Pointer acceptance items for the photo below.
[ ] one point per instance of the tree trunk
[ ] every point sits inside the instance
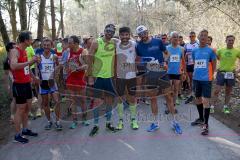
(41, 16)
(3, 29)
(13, 21)
(61, 13)
(53, 20)
(22, 14)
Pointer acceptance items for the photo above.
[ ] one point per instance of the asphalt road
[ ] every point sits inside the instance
(164, 144)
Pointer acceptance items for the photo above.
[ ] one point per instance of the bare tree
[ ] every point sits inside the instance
(3, 29)
(41, 16)
(61, 14)
(12, 14)
(53, 20)
(22, 14)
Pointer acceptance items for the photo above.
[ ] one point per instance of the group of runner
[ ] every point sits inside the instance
(112, 65)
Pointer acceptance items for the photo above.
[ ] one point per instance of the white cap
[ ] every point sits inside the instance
(141, 29)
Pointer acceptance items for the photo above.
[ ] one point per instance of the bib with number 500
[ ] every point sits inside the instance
(174, 58)
(200, 63)
(229, 75)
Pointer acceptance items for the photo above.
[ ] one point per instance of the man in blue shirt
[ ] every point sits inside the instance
(152, 51)
(204, 60)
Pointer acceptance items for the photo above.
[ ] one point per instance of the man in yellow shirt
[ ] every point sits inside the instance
(227, 70)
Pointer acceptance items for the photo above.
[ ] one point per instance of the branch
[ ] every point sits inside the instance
(204, 1)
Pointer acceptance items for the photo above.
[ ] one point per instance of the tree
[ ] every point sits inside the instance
(23, 14)
(53, 20)
(41, 16)
(3, 29)
(12, 14)
(61, 21)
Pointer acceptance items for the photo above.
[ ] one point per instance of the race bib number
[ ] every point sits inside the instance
(229, 75)
(26, 70)
(174, 58)
(201, 63)
(47, 67)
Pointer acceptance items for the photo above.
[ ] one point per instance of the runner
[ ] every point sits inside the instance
(181, 42)
(204, 60)
(189, 62)
(175, 62)
(226, 75)
(154, 48)
(165, 41)
(103, 52)
(30, 54)
(22, 90)
(8, 73)
(75, 80)
(126, 56)
(45, 69)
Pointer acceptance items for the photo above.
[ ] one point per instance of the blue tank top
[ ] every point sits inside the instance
(175, 59)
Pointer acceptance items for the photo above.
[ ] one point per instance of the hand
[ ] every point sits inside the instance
(36, 80)
(90, 81)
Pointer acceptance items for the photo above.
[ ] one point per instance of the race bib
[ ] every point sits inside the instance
(47, 67)
(229, 75)
(201, 63)
(26, 70)
(174, 58)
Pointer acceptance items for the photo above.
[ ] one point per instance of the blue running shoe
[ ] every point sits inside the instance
(153, 127)
(176, 128)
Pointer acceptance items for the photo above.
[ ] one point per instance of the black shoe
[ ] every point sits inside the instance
(30, 133)
(110, 127)
(20, 139)
(94, 131)
(197, 122)
(189, 100)
(205, 130)
(166, 111)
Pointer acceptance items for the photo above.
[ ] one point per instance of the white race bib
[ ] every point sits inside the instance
(229, 75)
(47, 67)
(201, 63)
(174, 58)
(26, 70)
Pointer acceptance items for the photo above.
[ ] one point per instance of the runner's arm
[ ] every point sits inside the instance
(92, 52)
(14, 61)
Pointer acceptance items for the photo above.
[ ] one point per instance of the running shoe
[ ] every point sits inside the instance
(189, 100)
(176, 127)
(48, 126)
(226, 109)
(153, 127)
(85, 123)
(94, 131)
(205, 130)
(39, 113)
(197, 122)
(73, 125)
(34, 100)
(58, 126)
(20, 139)
(28, 132)
(212, 109)
(134, 124)
(120, 125)
(109, 127)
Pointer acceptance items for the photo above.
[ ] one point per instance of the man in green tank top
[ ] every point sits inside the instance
(102, 58)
